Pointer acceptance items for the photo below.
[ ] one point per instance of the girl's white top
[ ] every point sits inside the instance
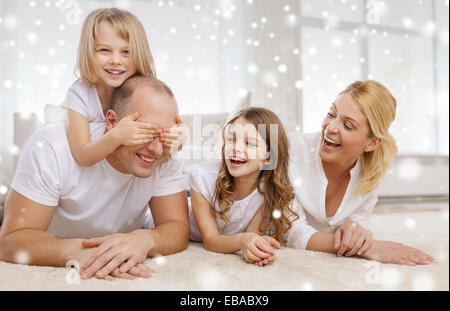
(202, 179)
(310, 185)
(83, 98)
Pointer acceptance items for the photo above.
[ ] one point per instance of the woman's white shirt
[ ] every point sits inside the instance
(202, 179)
(310, 185)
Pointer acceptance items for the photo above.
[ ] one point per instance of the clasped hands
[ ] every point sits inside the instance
(119, 255)
(259, 250)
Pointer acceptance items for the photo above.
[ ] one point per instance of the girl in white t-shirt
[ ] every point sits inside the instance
(113, 47)
(235, 201)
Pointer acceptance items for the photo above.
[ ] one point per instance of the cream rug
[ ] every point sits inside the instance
(198, 269)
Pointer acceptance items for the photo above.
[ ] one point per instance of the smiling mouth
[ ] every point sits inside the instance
(237, 161)
(146, 159)
(330, 142)
(115, 73)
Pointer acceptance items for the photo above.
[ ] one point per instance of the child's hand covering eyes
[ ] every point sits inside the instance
(130, 132)
(174, 137)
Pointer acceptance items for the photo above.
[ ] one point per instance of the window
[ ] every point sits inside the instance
(294, 55)
(401, 43)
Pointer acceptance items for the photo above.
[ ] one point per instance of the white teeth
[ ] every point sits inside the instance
(330, 140)
(114, 71)
(146, 159)
(238, 160)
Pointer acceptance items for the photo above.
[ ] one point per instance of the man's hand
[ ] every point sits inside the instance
(118, 251)
(351, 238)
(397, 253)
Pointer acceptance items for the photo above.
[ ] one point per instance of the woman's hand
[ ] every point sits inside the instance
(256, 248)
(351, 238)
(397, 253)
(129, 132)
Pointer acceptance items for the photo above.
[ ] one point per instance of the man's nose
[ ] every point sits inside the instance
(155, 147)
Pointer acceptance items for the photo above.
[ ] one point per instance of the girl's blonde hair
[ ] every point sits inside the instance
(278, 192)
(128, 27)
(378, 105)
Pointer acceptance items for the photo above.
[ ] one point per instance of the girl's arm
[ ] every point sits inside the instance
(206, 222)
(254, 247)
(85, 152)
(127, 131)
(256, 224)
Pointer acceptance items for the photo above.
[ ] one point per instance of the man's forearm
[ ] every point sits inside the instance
(167, 238)
(39, 248)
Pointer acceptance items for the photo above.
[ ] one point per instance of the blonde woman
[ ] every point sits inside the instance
(336, 173)
(112, 48)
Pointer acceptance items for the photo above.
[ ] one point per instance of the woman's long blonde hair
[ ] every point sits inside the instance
(128, 27)
(379, 107)
(277, 189)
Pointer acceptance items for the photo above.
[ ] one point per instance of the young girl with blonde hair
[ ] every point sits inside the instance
(244, 201)
(112, 48)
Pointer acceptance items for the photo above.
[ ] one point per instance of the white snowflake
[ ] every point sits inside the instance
(409, 169)
(410, 223)
(22, 257)
(8, 84)
(299, 84)
(160, 260)
(14, 150)
(282, 68)
(10, 21)
(276, 214)
(407, 22)
(252, 68)
(3, 189)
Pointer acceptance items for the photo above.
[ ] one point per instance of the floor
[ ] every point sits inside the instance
(198, 269)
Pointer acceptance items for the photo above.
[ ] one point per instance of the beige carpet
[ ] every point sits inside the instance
(198, 269)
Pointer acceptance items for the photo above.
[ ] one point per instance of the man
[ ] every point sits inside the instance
(55, 204)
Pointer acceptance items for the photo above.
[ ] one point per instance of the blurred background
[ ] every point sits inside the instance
(292, 56)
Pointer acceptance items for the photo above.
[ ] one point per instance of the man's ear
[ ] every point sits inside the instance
(373, 144)
(111, 119)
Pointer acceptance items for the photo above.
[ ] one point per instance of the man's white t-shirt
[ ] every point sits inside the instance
(83, 98)
(91, 201)
(202, 179)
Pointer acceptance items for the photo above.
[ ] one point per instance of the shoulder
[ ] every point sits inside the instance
(304, 144)
(203, 177)
(80, 88)
(209, 169)
(52, 134)
(46, 148)
(170, 164)
(81, 91)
